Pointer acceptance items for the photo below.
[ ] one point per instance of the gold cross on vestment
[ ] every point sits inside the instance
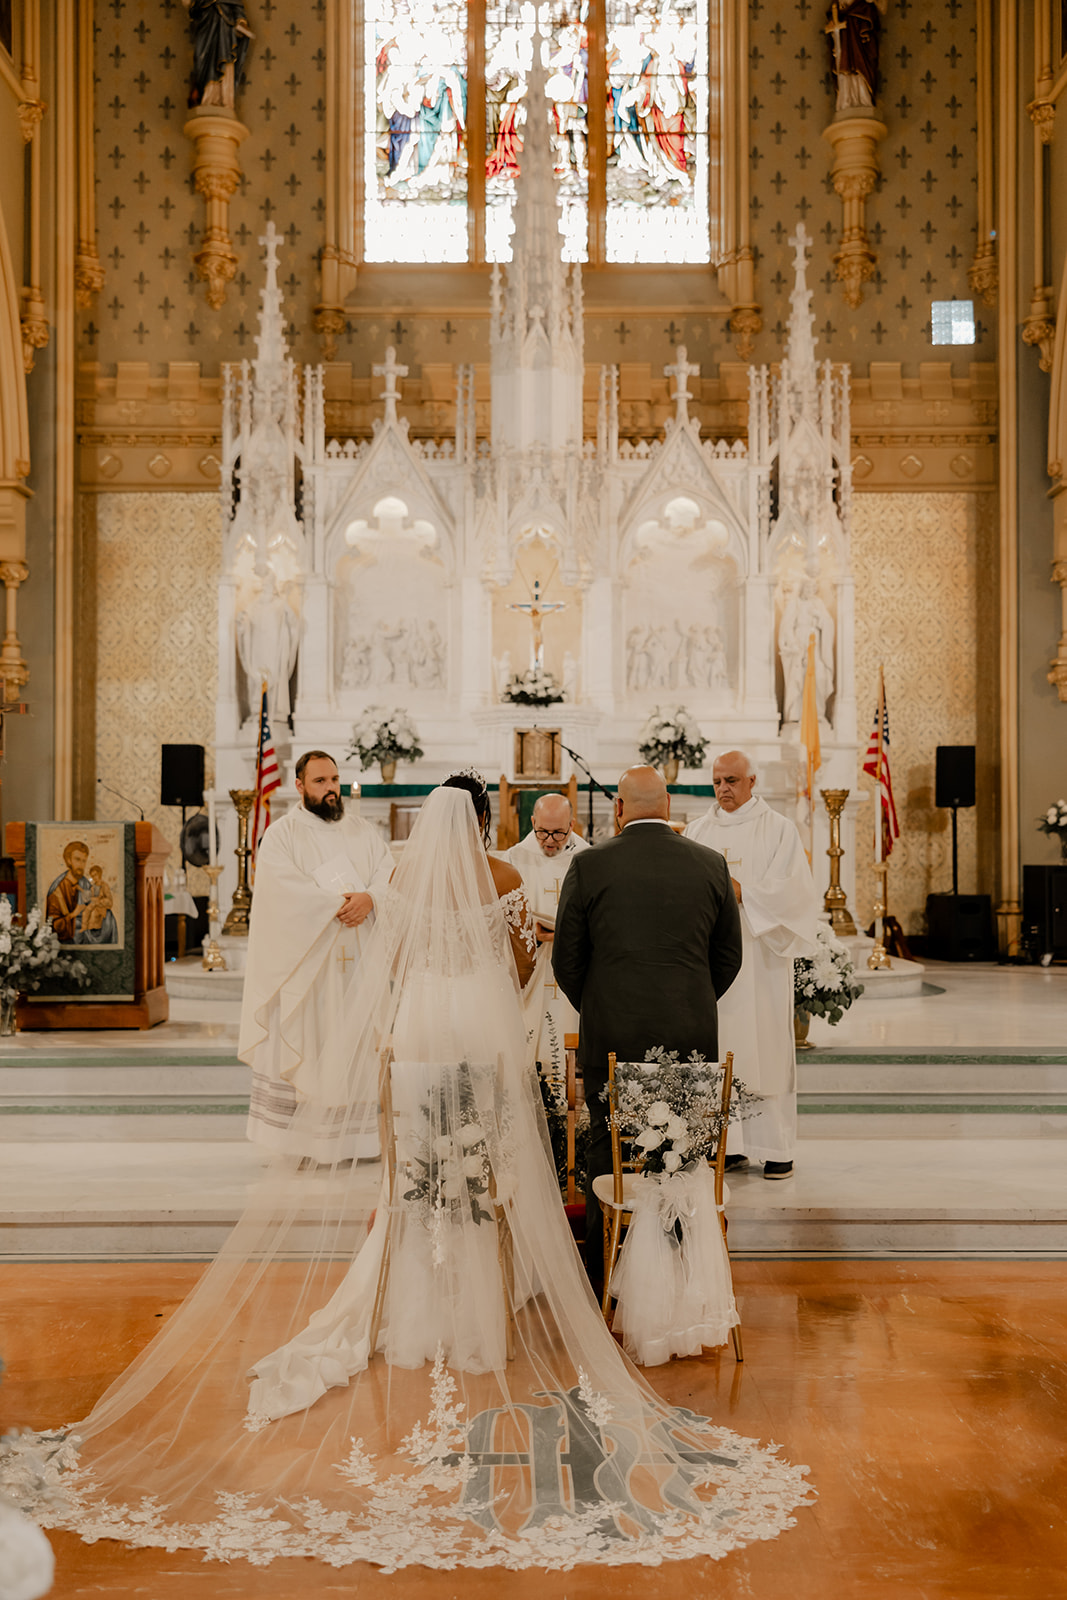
(554, 891)
(551, 990)
(345, 959)
(731, 861)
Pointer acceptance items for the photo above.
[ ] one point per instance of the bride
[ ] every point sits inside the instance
(402, 1363)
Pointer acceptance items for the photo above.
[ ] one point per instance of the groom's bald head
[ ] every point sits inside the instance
(642, 794)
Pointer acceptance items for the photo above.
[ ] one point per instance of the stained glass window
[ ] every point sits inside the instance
(433, 183)
(415, 178)
(509, 36)
(657, 151)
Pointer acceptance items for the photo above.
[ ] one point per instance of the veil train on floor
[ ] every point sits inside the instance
(495, 1421)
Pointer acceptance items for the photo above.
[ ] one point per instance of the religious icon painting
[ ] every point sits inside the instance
(82, 876)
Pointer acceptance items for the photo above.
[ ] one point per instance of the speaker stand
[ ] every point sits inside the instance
(955, 856)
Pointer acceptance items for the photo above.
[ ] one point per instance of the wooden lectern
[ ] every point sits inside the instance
(150, 1003)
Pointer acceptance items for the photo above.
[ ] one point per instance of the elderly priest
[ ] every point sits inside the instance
(318, 872)
(774, 890)
(542, 860)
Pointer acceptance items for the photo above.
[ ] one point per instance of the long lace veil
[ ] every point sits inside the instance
(401, 1361)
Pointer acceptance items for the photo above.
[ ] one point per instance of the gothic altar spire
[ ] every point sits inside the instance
(536, 322)
(798, 367)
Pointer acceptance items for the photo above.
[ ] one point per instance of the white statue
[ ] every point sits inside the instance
(268, 636)
(502, 673)
(805, 614)
(570, 677)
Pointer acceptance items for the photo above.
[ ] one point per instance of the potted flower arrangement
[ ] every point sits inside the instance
(1055, 821)
(29, 953)
(533, 688)
(824, 984)
(672, 739)
(386, 736)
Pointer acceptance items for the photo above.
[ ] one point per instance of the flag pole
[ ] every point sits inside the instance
(879, 956)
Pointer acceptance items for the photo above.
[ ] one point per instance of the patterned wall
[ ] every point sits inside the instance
(918, 562)
(158, 558)
(921, 218)
(149, 217)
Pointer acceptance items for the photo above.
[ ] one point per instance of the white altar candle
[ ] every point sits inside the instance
(211, 827)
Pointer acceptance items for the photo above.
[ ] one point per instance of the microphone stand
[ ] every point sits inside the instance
(124, 798)
(594, 783)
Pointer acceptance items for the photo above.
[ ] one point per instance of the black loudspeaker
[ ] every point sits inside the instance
(182, 775)
(1045, 912)
(955, 775)
(961, 927)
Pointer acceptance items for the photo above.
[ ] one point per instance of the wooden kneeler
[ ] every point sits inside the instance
(505, 1246)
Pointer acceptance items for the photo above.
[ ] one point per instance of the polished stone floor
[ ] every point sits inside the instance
(928, 1399)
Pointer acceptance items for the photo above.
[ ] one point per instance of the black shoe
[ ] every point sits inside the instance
(736, 1164)
(777, 1169)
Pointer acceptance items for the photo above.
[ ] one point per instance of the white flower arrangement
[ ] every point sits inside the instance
(31, 953)
(533, 688)
(382, 734)
(824, 984)
(672, 736)
(448, 1170)
(671, 1111)
(1055, 821)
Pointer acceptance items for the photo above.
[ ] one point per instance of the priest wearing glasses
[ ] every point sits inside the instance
(542, 860)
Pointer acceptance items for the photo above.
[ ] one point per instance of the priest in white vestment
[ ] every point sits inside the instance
(542, 860)
(779, 909)
(318, 871)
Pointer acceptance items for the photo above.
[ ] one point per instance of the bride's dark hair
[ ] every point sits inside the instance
(474, 785)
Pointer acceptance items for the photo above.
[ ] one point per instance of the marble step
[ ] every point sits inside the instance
(202, 1093)
(123, 1201)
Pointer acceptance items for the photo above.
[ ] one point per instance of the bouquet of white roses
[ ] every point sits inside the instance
(671, 1111)
(31, 953)
(382, 734)
(1055, 821)
(672, 736)
(533, 688)
(824, 984)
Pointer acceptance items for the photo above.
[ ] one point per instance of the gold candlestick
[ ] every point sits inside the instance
(214, 960)
(237, 921)
(879, 956)
(835, 901)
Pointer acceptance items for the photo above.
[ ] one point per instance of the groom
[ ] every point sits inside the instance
(648, 935)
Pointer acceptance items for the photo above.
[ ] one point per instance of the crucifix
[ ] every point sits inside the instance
(390, 370)
(537, 610)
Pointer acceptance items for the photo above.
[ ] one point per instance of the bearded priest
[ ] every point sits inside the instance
(779, 908)
(318, 871)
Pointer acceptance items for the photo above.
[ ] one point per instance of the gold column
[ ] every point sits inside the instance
(88, 273)
(730, 197)
(835, 901)
(237, 921)
(1009, 910)
(855, 139)
(983, 271)
(65, 250)
(217, 136)
(33, 317)
(13, 669)
(1039, 329)
(344, 168)
(1058, 674)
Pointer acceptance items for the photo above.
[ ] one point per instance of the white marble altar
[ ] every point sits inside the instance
(684, 572)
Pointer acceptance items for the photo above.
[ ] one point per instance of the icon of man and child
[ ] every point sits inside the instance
(79, 901)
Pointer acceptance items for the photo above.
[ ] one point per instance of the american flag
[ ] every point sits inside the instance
(267, 777)
(876, 763)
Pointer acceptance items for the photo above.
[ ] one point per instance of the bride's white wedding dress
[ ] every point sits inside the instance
(260, 1423)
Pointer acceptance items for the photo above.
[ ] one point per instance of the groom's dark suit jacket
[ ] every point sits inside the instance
(648, 934)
